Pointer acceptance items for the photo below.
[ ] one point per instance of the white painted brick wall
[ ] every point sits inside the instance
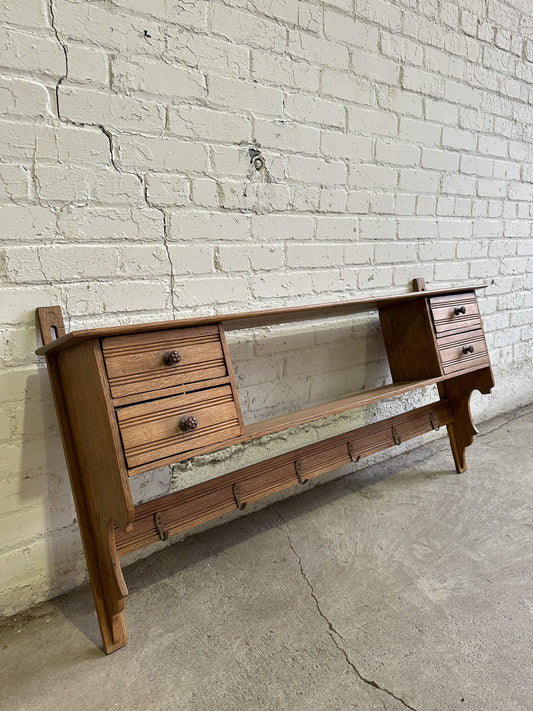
(398, 143)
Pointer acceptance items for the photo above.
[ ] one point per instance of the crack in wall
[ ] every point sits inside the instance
(107, 133)
(332, 632)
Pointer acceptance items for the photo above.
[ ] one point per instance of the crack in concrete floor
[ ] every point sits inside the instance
(334, 634)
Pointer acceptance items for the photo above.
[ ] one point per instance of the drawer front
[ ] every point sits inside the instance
(147, 362)
(160, 428)
(458, 312)
(463, 351)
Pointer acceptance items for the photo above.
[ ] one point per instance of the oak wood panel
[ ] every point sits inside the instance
(253, 318)
(110, 621)
(452, 353)
(231, 375)
(101, 469)
(50, 323)
(410, 341)
(200, 503)
(445, 318)
(135, 364)
(150, 431)
(457, 391)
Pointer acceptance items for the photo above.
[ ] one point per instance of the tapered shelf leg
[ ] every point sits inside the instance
(458, 390)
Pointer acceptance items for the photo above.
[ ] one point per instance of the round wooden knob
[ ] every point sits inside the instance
(459, 310)
(188, 423)
(468, 349)
(172, 358)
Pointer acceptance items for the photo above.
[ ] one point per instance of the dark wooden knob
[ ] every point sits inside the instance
(172, 358)
(188, 423)
(459, 310)
(468, 349)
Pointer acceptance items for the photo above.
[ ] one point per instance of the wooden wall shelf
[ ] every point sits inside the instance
(132, 398)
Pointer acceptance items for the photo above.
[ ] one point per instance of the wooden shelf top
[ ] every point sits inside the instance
(306, 312)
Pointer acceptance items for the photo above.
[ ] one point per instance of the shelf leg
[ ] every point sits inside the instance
(458, 390)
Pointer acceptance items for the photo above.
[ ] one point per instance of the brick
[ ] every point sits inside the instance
(419, 180)
(243, 95)
(417, 228)
(423, 82)
(191, 259)
(352, 32)
(458, 184)
(126, 34)
(25, 13)
(285, 71)
(211, 226)
(400, 102)
(314, 255)
(455, 138)
(346, 86)
(316, 170)
(83, 105)
(208, 124)
(332, 200)
(474, 165)
(19, 97)
(142, 153)
(25, 223)
(375, 68)
(156, 78)
(377, 229)
(246, 258)
(276, 227)
(28, 53)
(341, 145)
(287, 136)
(363, 120)
(87, 65)
(441, 111)
(118, 223)
(374, 278)
(337, 228)
(167, 190)
(14, 182)
(440, 160)
(274, 285)
(67, 184)
(318, 50)
(243, 27)
(419, 131)
(380, 12)
(314, 110)
(373, 176)
(95, 298)
(206, 53)
(189, 13)
(397, 153)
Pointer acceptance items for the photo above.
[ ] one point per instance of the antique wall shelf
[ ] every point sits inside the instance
(133, 398)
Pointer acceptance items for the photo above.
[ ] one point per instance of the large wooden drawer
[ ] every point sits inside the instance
(157, 429)
(454, 313)
(152, 362)
(463, 351)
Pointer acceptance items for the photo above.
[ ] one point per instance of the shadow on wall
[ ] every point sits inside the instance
(288, 368)
(46, 548)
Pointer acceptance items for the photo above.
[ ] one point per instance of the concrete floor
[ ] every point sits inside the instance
(403, 585)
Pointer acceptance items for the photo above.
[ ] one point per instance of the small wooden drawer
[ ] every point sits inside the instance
(152, 362)
(177, 426)
(463, 351)
(454, 313)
